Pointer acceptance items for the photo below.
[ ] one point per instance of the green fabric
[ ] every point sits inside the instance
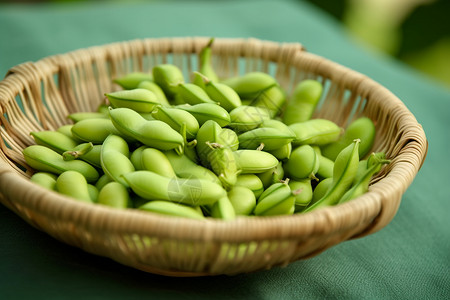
(408, 259)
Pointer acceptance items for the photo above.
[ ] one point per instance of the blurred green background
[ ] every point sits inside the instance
(416, 32)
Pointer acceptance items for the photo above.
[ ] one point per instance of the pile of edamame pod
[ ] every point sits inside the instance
(207, 148)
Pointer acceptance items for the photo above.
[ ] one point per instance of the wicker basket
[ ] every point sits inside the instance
(39, 96)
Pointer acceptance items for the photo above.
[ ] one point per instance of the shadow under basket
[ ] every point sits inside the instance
(39, 95)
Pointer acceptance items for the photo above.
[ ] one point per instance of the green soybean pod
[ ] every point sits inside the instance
(326, 166)
(102, 181)
(266, 138)
(139, 100)
(156, 134)
(272, 176)
(115, 195)
(194, 192)
(254, 161)
(321, 189)
(207, 111)
(73, 184)
(76, 117)
(363, 129)
(168, 76)
(344, 171)
(175, 118)
(276, 200)
(44, 179)
(222, 94)
(303, 163)
(85, 151)
(303, 102)
(192, 94)
(223, 209)
(67, 131)
(206, 67)
(249, 85)
(93, 130)
(93, 192)
(156, 161)
(209, 133)
(229, 138)
(156, 89)
(242, 199)
(252, 182)
(54, 140)
(283, 153)
(114, 158)
(136, 157)
(374, 164)
(244, 118)
(171, 209)
(45, 159)
(132, 80)
(315, 132)
(272, 99)
(186, 168)
(303, 193)
(224, 165)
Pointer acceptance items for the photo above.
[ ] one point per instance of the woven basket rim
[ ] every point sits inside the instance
(243, 228)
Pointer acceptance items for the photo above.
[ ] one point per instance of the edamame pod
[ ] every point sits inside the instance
(363, 129)
(303, 163)
(193, 94)
(224, 165)
(282, 153)
(271, 99)
(67, 131)
(102, 181)
(249, 85)
(45, 159)
(54, 140)
(315, 132)
(244, 118)
(172, 209)
(93, 130)
(254, 161)
(44, 179)
(156, 161)
(326, 166)
(321, 189)
(223, 209)
(209, 133)
(344, 171)
(229, 138)
(242, 199)
(271, 176)
(208, 111)
(375, 162)
(155, 134)
(186, 168)
(252, 182)
(114, 194)
(303, 101)
(93, 192)
(205, 65)
(194, 192)
(175, 118)
(266, 138)
(73, 184)
(303, 193)
(76, 117)
(276, 200)
(139, 100)
(132, 80)
(222, 94)
(153, 87)
(114, 158)
(86, 151)
(168, 76)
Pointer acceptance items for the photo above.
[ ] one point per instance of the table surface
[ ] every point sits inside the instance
(408, 259)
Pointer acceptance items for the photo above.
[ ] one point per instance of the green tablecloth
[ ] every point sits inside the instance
(408, 259)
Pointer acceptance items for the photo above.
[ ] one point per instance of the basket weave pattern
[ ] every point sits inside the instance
(38, 96)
